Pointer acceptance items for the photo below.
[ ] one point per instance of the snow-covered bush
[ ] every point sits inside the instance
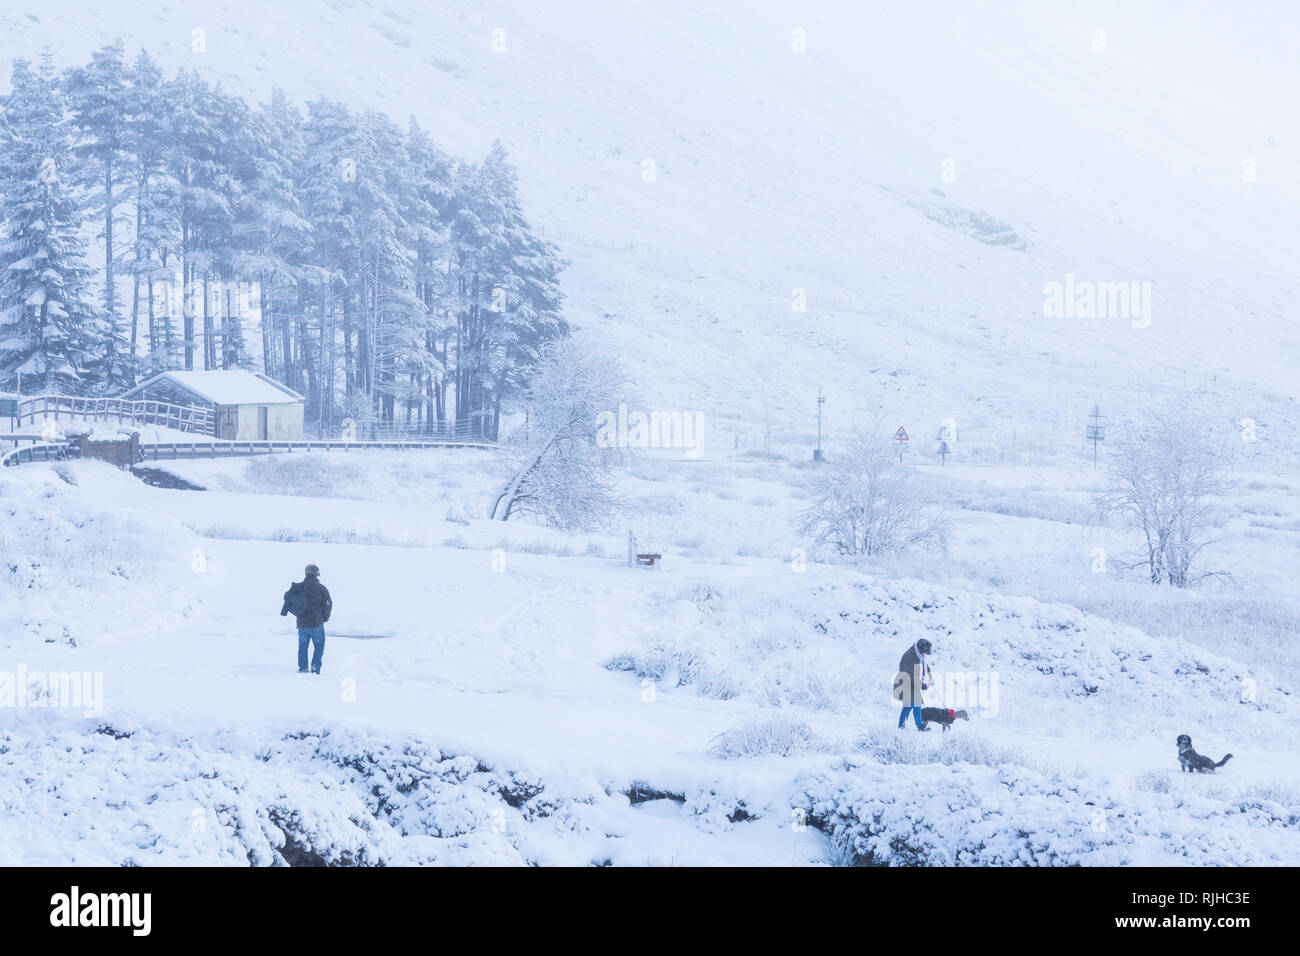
(1153, 781)
(886, 745)
(964, 815)
(140, 796)
(782, 735)
(866, 503)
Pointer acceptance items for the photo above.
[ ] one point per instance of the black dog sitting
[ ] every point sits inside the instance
(938, 715)
(1192, 762)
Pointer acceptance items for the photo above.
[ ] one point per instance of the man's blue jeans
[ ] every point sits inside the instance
(902, 718)
(317, 637)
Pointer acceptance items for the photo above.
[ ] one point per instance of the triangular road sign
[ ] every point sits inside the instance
(901, 434)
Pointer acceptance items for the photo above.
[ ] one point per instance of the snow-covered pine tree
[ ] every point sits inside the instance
(327, 286)
(431, 172)
(271, 229)
(508, 299)
(193, 156)
(532, 300)
(386, 197)
(99, 102)
(226, 238)
(356, 188)
(49, 327)
(157, 223)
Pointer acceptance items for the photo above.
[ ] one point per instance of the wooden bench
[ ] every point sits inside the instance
(637, 558)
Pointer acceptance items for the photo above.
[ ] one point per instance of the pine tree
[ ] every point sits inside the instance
(98, 98)
(357, 238)
(507, 288)
(330, 278)
(272, 230)
(394, 313)
(224, 228)
(428, 211)
(157, 204)
(192, 158)
(49, 328)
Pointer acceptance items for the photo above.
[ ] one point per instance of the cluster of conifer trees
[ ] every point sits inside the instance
(152, 224)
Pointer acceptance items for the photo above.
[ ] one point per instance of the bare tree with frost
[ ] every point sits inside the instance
(1164, 471)
(559, 472)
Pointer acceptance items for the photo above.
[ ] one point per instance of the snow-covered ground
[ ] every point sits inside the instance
(504, 693)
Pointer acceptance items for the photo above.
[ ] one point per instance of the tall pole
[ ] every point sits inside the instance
(1096, 432)
(821, 400)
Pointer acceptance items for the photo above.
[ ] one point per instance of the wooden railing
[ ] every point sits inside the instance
(57, 451)
(398, 431)
(175, 451)
(185, 418)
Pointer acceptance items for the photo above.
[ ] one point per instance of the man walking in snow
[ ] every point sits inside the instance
(913, 677)
(309, 601)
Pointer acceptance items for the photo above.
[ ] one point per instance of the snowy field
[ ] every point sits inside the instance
(506, 694)
(757, 202)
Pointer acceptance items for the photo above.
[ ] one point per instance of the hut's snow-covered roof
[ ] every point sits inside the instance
(225, 387)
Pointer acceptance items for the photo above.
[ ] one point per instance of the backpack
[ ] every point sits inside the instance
(295, 600)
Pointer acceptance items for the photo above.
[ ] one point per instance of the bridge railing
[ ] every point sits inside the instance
(55, 451)
(401, 431)
(185, 418)
(177, 451)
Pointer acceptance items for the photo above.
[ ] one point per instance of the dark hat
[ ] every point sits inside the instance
(923, 646)
(312, 571)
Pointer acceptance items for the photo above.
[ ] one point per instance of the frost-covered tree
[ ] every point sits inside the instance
(558, 473)
(867, 504)
(49, 328)
(506, 287)
(275, 237)
(381, 266)
(391, 312)
(99, 101)
(157, 224)
(1164, 470)
(198, 156)
(427, 206)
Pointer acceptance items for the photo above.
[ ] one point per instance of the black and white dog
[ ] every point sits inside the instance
(1192, 762)
(940, 715)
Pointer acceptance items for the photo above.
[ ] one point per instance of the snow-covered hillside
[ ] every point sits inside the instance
(919, 172)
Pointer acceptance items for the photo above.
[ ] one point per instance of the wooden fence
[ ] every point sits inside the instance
(185, 418)
(177, 451)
